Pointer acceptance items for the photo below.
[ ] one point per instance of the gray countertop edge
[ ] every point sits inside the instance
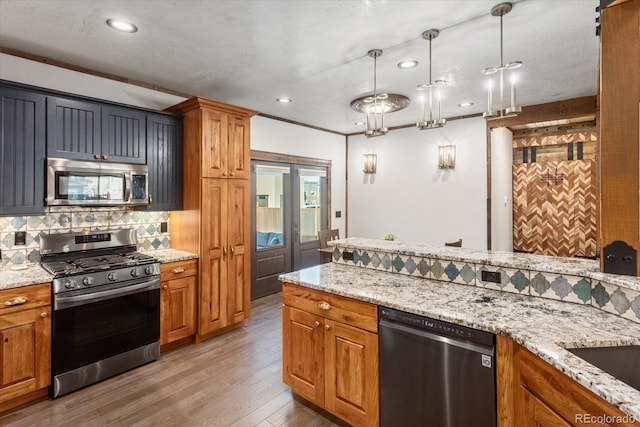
(533, 262)
(535, 323)
(34, 274)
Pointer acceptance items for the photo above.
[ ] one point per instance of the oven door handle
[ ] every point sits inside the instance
(61, 302)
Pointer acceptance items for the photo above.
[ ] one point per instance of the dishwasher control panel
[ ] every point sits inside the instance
(437, 326)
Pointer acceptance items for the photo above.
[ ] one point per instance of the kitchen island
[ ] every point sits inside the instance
(544, 326)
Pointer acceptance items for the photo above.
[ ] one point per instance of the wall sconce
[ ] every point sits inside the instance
(370, 163)
(447, 157)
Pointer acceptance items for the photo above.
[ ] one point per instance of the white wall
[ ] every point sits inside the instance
(280, 137)
(502, 189)
(413, 199)
(47, 76)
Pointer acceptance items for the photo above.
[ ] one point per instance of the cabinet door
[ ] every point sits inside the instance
(22, 148)
(164, 159)
(351, 369)
(537, 414)
(25, 352)
(73, 129)
(239, 156)
(214, 255)
(123, 135)
(303, 354)
(177, 309)
(214, 144)
(239, 261)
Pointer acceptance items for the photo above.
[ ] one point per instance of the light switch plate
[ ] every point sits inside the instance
(20, 238)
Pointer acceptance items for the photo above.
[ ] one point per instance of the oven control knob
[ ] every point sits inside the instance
(148, 270)
(134, 272)
(112, 276)
(70, 284)
(87, 281)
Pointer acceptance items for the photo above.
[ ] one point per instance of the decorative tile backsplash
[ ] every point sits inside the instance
(576, 289)
(73, 219)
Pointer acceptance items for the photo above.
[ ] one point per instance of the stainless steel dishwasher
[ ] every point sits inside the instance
(434, 373)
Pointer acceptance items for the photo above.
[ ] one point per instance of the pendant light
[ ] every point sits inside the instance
(427, 121)
(377, 105)
(501, 10)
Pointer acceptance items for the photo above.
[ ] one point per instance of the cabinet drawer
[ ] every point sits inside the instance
(346, 310)
(24, 298)
(176, 270)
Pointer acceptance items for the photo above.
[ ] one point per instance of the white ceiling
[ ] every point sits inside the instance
(249, 52)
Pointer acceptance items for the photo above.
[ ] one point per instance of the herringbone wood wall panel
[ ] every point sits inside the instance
(552, 219)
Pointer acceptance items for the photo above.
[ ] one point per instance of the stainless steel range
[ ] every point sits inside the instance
(106, 302)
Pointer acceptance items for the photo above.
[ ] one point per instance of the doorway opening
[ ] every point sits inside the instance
(290, 205)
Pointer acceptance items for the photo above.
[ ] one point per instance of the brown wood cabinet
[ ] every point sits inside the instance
(533, 393)
(25, 344)
(216, 215)
(178, 300)
(330, 353)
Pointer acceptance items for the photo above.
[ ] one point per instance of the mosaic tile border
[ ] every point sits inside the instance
(68, 219)
(611, 298)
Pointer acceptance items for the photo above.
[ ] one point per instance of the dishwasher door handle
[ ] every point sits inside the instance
(477, 348)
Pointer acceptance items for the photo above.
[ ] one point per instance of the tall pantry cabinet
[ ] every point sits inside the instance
(216, 215)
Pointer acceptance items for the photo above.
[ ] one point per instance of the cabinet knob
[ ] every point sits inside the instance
(96, 156)
(232, 174)
(165, 287)
(224, 174)
(224, 252)
(16, 301)
(233, 251)
(322, 305)
(316, 323)
(327, 327)
(105, 157)
(178, 270)
(43, 314)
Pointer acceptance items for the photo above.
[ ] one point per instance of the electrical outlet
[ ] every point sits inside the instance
(20, 238)
(164, 227)
(347, 256)
(491, 276)
(338, 214)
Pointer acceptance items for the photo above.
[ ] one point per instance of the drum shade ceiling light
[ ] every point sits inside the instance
(377, 105)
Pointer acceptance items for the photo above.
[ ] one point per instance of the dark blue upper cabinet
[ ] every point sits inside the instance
(164, 158)
(73, 129)
(123, 135)
(87, 130)
(22, 153)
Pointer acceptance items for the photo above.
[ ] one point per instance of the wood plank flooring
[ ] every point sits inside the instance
(231, 380)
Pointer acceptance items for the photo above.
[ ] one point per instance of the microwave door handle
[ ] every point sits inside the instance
(127, 187)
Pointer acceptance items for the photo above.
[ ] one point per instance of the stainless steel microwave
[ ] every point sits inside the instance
(82, 183)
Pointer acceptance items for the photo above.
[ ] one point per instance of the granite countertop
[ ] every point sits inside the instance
(32, 274)
(551, 264)
(172, 255)
(28, 274)
(545, 327)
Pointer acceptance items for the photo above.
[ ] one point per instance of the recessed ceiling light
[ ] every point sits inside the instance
(284, 100)
(119, 25)
(359, 123)
(405, 65)
(465, 104)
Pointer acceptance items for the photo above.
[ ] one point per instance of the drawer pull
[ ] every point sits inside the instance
(178, 270)
(16, 301)
(43, 314)
(327, 327)
(322, 305)
(316, 323)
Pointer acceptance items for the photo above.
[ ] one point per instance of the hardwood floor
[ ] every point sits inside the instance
(231, 380)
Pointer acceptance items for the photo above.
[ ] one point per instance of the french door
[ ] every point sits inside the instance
(290, 206)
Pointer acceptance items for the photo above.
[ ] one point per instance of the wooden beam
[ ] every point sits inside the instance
(567, 109)
(619, 139)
